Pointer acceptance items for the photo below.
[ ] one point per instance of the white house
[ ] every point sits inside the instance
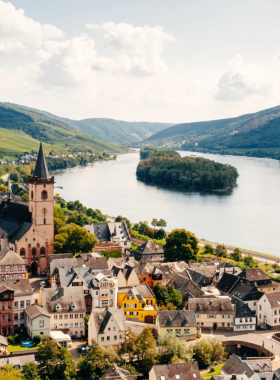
(37, 321)
(269, 309)
(245, 319)
(104, 291)
(107, 327)
(67, 309)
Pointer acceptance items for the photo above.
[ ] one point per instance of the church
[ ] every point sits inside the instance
(28, 230)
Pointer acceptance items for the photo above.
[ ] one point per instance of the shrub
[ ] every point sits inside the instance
(212, 369)
(17, 338)
(10, 339)
(37, 339)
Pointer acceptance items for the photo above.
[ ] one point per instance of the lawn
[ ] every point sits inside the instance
(216, 372)
(17, 347)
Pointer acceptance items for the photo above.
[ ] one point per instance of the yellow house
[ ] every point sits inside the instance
(180, 323)
(138, 303)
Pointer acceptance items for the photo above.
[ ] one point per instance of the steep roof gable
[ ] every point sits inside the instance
(41, 168)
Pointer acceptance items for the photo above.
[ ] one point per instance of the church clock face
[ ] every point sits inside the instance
(44, 211)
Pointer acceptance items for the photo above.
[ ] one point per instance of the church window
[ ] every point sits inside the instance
(22, 252)
(32, 194)
(33, 251)
(44, 220)
(42, 251)
(44, 194)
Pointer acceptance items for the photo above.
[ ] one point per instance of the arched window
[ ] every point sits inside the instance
(34, 251)
(43, 251)
(44, 194)
(32, 194)
(22, 252)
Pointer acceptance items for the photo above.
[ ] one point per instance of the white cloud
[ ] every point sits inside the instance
(66, 63)
(136, 50)
(243, 80)
(135, 40)
(19, 33)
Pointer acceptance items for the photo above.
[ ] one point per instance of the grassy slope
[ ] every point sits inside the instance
(115, 131)
(207, 132)
(55, 133)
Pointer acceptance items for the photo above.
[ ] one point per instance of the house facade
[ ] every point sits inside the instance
(37, 321)
(180, 323)
(107, 326)
(138, 303)
(67, 309)
(12, 266)
(149, 252)
(104, 291)
(213, 313)
(245, 319)
(269, 309)
(6, 311)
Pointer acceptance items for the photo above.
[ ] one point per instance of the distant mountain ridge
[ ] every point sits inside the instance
(114, 131)
(256, 134)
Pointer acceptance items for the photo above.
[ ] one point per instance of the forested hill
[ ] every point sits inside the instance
(115, 131)
(168, 169)
(21, 130)
(256, 134)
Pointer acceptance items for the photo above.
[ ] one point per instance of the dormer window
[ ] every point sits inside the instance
(72, 307)
(57, 307)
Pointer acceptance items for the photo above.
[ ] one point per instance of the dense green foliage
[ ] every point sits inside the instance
(181, 245)
(207, 351)
(74, 239)
(71, 162)
(168, 297)
(221, 251)
(153, 151)
(185, 173)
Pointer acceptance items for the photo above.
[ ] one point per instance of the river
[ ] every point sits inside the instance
(247, 217)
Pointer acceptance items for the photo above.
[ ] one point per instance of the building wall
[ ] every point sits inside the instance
(245, 324)
(266, 314)
(13, 272)
(204, 321)
(20, 304)
(146, 278)
(181, 332)
(112, 335)
(33, 326)
(133, 279)
(266, 289)
(253, 305)
(138, 311)
(62, 321)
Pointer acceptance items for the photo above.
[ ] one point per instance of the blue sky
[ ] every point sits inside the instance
(141, 60)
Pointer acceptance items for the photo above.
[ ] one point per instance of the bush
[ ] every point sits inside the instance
(10, 340)
(212, 369)
(17, 338)
(37, 339)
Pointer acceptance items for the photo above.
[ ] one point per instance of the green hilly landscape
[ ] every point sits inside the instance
(256, 134)
(20, 131)
(114, 131)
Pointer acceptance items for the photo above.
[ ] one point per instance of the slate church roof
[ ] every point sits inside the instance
(41, 168)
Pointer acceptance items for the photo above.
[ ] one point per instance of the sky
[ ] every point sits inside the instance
(150, 60)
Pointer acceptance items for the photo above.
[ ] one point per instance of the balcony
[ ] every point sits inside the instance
(105, 297)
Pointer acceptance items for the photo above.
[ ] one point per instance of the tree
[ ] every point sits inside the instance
(74, 239)
(161, 223)
(236, 255)
(37, 338)
(145, 350)
(15, 176)
(181, 245)
(55, 362)
(3, 188)
(154, 223)
(58, 224)
(169, 347)
(218, 350)
(97, 361)
(128, 346)
(169, 297)
(142, 228)
(160, 234)
(30, 372)
(221, 251)
(275, 266)
(203, 352)
(58, 213)
(8, 372)
(249, 262)
(79, 219)
(208, 249)
(25, 197)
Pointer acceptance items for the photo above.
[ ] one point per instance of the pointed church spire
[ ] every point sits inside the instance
(41, 168)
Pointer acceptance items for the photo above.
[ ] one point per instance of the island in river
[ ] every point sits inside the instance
(168, 169)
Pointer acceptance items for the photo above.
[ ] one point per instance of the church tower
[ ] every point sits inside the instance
(41, 203)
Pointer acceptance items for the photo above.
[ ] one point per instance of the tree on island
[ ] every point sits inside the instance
(74, 239)
(181, 245)
(221, 251)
